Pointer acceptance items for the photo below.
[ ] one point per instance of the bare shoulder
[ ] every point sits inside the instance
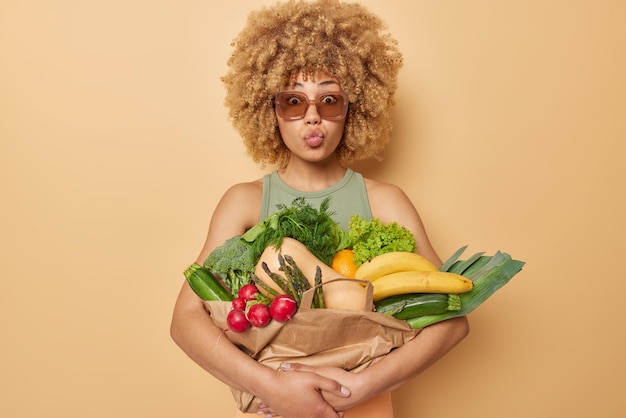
(244, 192)
(241, 204)
(388, 202)
(237, 211)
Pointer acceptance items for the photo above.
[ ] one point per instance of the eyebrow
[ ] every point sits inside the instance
(321, 84)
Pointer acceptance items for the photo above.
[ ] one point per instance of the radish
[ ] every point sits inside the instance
(283, 307)
(258, 315)
(237, 321)
(239, 303)
(248, 292)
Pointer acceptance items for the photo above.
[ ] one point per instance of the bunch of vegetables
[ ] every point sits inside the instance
(421, 294)
(236, 260)
(405, 284)
(251, 307)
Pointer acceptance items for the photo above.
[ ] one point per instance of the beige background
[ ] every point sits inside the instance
(115, 147)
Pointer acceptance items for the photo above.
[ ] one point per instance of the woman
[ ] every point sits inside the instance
(310, 89)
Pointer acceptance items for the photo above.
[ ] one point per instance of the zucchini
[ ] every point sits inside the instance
(206, 284)
(417, 304)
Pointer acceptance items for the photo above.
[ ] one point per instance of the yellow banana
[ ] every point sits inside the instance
(392, 262)
(404, 282)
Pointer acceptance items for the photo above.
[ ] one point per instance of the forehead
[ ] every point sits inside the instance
(318, 80)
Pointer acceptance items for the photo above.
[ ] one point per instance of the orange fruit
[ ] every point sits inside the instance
(343, 263)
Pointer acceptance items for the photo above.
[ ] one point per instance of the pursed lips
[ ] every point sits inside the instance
(314, 137)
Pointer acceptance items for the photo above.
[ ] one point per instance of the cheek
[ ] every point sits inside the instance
(283, 128)
(337, 130)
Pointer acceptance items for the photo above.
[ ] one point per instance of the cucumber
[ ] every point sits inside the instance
(414, 304)
(391, 305)
(207, 286)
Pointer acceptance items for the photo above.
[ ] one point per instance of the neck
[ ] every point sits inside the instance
(309, 177)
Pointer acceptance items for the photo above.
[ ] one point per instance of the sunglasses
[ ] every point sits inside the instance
(293, 105)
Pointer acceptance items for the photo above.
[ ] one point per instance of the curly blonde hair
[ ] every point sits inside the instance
(344, 40)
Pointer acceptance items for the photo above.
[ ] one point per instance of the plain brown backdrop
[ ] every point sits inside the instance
(115, 147)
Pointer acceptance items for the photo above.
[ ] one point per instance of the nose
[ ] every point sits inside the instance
(312, 116)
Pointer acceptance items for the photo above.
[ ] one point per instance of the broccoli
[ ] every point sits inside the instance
(234, 261)
(371, 238)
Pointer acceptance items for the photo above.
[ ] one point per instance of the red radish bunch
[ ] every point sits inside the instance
(248, 310)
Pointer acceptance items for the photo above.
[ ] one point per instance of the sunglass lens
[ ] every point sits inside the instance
(330, 105)
(293, 105)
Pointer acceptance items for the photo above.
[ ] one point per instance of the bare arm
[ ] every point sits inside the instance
(193, 330)
(390, 203)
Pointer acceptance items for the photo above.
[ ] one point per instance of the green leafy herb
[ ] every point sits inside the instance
(315, 228)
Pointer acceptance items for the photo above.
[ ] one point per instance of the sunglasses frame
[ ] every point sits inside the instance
(316, 101)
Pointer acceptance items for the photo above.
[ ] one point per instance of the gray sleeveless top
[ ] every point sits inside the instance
(347, 198)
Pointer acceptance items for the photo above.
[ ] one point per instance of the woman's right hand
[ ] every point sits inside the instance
(298, 395)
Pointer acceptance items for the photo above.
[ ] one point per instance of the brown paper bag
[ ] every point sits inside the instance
(352, 340)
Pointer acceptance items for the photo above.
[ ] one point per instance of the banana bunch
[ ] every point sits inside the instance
(402, 272)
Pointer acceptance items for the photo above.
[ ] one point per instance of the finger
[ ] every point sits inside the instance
(333, 387)
(265, 411)
(328, 385)
(295, 367)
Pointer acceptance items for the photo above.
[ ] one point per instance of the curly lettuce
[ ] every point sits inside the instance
(370, 238)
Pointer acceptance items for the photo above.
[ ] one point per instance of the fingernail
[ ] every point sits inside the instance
(285, 366)
(345, 390)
